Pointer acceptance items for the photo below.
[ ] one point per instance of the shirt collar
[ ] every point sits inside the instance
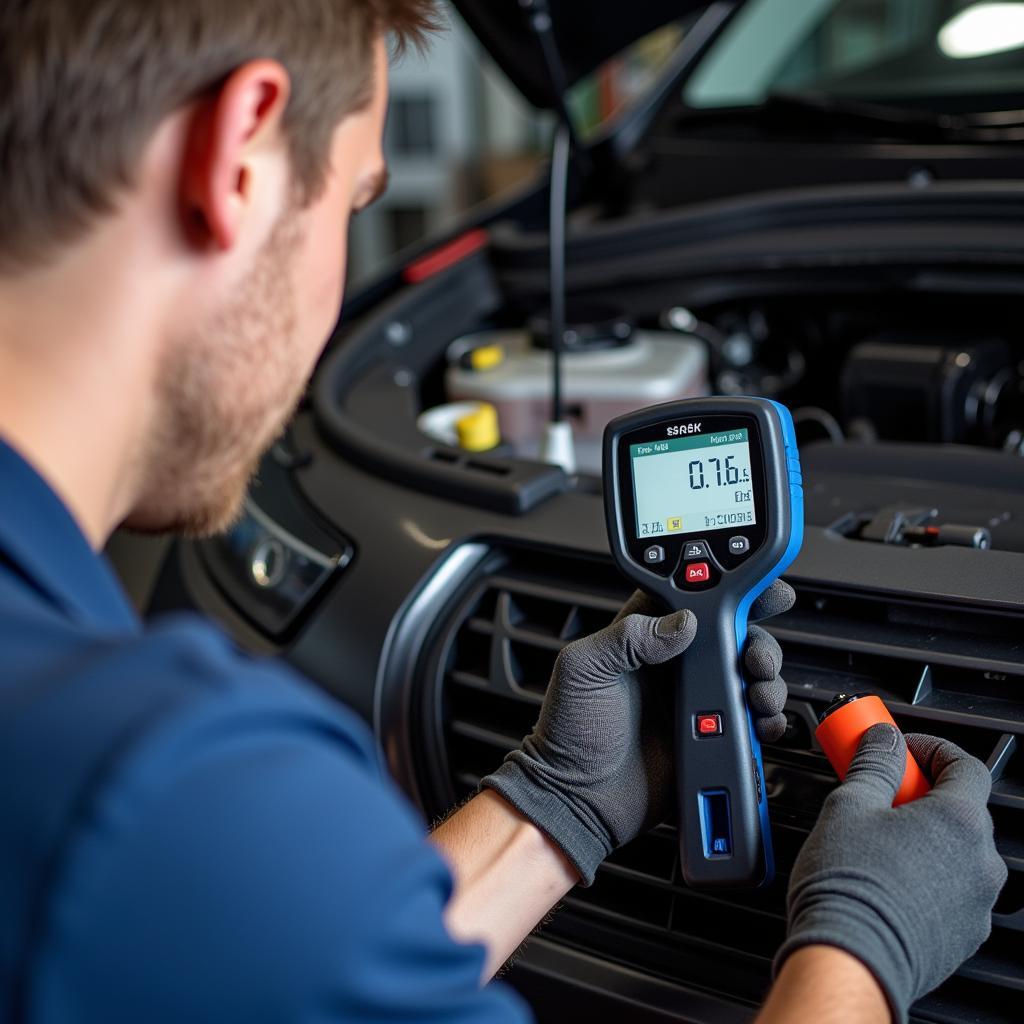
(41, 539)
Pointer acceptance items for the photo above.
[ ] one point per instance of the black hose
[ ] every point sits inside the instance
(559, 184)
(824, 419)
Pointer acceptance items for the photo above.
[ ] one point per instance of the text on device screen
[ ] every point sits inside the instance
(693, 484)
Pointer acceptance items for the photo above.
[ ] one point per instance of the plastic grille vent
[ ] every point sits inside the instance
(950, 672)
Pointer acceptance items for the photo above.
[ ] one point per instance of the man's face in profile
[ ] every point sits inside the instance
(228, 386)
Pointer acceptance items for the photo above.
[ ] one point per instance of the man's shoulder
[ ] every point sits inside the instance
(82, 715)
(235, 830)
(210, 701)
(183, 810)
(65, 678)
(199, 668)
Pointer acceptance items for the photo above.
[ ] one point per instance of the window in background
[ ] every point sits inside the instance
(458, 133)
(411, 130)
(406, 225)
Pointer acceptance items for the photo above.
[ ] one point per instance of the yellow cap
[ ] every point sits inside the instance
(487, 357)
(478, 430)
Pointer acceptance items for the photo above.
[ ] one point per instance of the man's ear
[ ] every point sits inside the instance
(229, 134)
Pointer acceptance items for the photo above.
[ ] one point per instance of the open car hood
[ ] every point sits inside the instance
(586, 33)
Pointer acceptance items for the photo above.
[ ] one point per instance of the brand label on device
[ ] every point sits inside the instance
(682, 428)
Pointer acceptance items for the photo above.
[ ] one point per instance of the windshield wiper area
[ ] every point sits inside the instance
(785, 111)
(871, 118)
(902, 122)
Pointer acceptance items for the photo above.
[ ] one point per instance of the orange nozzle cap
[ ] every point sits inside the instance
(840, 734)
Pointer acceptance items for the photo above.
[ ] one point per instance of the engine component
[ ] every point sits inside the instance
(953, 393)
(600, 384)
(952, 534)
(589, 326)
(913, 526)
(471, 426)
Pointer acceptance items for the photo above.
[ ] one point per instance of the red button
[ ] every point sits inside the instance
(698, 572)
(709, 725)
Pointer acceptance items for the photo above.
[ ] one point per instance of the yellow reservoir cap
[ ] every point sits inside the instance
(478, 431)
(487, 357)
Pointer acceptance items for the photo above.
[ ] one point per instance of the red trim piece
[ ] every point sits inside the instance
(446, 256)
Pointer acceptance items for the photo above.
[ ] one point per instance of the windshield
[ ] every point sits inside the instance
(943, 55)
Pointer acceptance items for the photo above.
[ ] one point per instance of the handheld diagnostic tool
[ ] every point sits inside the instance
(704, 504)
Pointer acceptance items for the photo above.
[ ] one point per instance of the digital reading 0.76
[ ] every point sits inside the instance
(693, 484)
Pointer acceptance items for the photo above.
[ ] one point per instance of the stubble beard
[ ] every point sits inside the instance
(224, 395)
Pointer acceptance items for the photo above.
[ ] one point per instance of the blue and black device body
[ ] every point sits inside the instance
(704, 504)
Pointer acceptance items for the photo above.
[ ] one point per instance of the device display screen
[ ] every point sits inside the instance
(686, 485)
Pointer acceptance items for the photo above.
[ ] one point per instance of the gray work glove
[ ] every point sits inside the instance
(597, 768)
(907, 890)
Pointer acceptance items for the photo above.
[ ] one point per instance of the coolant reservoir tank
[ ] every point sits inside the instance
(598, 384)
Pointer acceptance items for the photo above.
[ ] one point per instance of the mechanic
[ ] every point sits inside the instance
(194, 835)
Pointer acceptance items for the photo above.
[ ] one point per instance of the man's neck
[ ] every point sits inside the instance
(75, 373)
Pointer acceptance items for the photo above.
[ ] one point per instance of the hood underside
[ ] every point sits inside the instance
(586, 33)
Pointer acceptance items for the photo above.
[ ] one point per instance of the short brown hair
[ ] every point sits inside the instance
(85, 83)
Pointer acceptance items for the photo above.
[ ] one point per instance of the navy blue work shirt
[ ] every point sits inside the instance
(191, 835)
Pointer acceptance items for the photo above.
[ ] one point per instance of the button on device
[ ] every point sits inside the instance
(695, 549)
(709, 725)
(698, 572)
(654, 554)
(739, 545)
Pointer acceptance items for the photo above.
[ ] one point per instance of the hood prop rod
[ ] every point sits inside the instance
(557, 446)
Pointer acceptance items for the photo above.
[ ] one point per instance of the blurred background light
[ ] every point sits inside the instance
(983, 29)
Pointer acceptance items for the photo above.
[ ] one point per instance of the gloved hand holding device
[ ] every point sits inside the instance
(907, 890)
(598, 768)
